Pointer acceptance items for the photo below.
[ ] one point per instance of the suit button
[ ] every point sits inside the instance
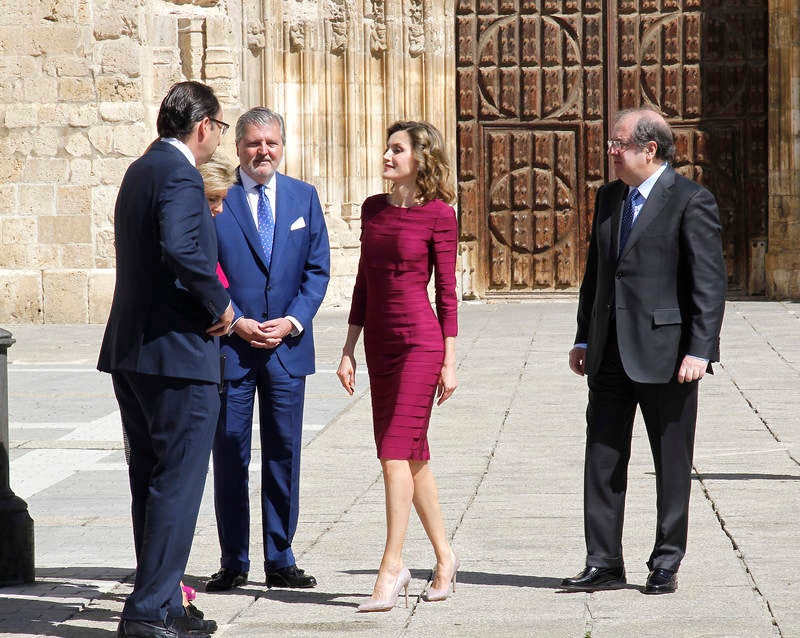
(263, 315)
(620, 275)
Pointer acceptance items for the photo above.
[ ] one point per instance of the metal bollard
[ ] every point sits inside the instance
(16, 525)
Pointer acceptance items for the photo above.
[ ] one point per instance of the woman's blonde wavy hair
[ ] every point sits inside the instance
(218, 175)
(433, 167)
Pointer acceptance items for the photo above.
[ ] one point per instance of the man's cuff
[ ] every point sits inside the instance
(298, 327)
(233, 323)
(580, 345)
(698, 358)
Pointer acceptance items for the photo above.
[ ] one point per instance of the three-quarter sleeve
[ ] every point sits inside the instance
(358, 305)
(445, 244)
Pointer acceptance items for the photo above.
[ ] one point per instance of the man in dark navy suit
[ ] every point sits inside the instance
(162, 351)
(649, 318)
(273, 247)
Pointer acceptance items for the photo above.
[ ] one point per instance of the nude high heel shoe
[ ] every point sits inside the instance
(387, 604)
(436, 595)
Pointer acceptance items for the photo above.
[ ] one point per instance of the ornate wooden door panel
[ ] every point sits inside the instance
(703, 64)
(537, 83)
(530, 139)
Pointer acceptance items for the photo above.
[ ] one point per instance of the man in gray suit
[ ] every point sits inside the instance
(649, 317)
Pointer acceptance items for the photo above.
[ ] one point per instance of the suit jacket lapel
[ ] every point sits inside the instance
(652, 207)
(611, 236)
(284, 205)
(237, 202)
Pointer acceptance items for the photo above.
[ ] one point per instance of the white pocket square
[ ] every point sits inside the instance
(298, 223)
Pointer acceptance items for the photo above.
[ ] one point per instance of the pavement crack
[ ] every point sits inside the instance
(757, 414)
(737, 551)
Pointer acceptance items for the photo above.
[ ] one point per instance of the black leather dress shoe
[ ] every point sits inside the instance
(139, 629)
(593, 578)
(290, 577)
(191, 610)
(192, 626)
(226, 579)
(661, 581)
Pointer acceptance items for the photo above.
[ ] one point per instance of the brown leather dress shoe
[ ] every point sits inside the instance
(226, 579)
(661, 581)
(592, 578)
(290, 577)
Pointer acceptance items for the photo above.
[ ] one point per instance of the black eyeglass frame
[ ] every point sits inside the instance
(224, 126)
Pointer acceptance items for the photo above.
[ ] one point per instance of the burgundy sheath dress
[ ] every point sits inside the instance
(403, 337)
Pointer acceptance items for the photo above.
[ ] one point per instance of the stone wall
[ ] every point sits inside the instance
(80, 85)
(783, 253)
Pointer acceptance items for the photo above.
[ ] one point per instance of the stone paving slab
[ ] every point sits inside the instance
(508, 456)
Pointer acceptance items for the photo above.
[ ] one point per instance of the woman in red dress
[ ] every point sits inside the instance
(406, 235)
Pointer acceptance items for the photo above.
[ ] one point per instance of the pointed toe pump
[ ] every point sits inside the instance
(437, 595)
(387, 604)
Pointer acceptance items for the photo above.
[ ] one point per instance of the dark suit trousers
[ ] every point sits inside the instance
(169, 424)
(280, 400)
(670, 412)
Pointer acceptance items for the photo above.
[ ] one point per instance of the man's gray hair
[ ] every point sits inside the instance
(651, 126)
(259, 116)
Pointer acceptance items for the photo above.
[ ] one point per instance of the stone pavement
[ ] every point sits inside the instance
(507, 453)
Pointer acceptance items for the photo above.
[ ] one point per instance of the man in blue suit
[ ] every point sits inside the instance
(161, 349)
(273, 247)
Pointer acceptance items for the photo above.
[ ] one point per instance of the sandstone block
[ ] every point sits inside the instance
(162, 30)
(121, 111)
(78, 145)
(73, 200)
(111, 170)
(65, 229)
(43, 256)
(121, 57)
(46, 141)
(219, 71)
(102, 138)
(8, 198)
(103, 200)
(18, 230)
(18, 141)
(65, 296)
(37, 199)
(76, 114)
(20, 296)
(21, 115)
(77, 256)
(71, 89)
(46, 170)
(67, 66)
(101, 292)
(11, 169)
(132, 139)
(54, 39)
(39, 88)
(219, 31)
(118, 89)
(81, 171)
(105, 254)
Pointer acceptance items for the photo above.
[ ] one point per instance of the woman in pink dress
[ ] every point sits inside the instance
(406, 235)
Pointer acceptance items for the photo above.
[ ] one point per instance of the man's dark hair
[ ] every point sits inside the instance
(185, 104)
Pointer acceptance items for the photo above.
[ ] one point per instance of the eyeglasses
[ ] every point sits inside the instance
(222, 125)
(616, 146)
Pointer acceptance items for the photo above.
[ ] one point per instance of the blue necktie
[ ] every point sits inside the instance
(627, 219)
(266, 223)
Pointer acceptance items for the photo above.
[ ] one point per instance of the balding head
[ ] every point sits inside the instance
(647, 125)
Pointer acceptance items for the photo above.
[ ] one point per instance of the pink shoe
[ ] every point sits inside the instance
(190, 592)
(388, 604)
(436, 595)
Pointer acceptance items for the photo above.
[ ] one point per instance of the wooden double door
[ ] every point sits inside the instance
(539, 82)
